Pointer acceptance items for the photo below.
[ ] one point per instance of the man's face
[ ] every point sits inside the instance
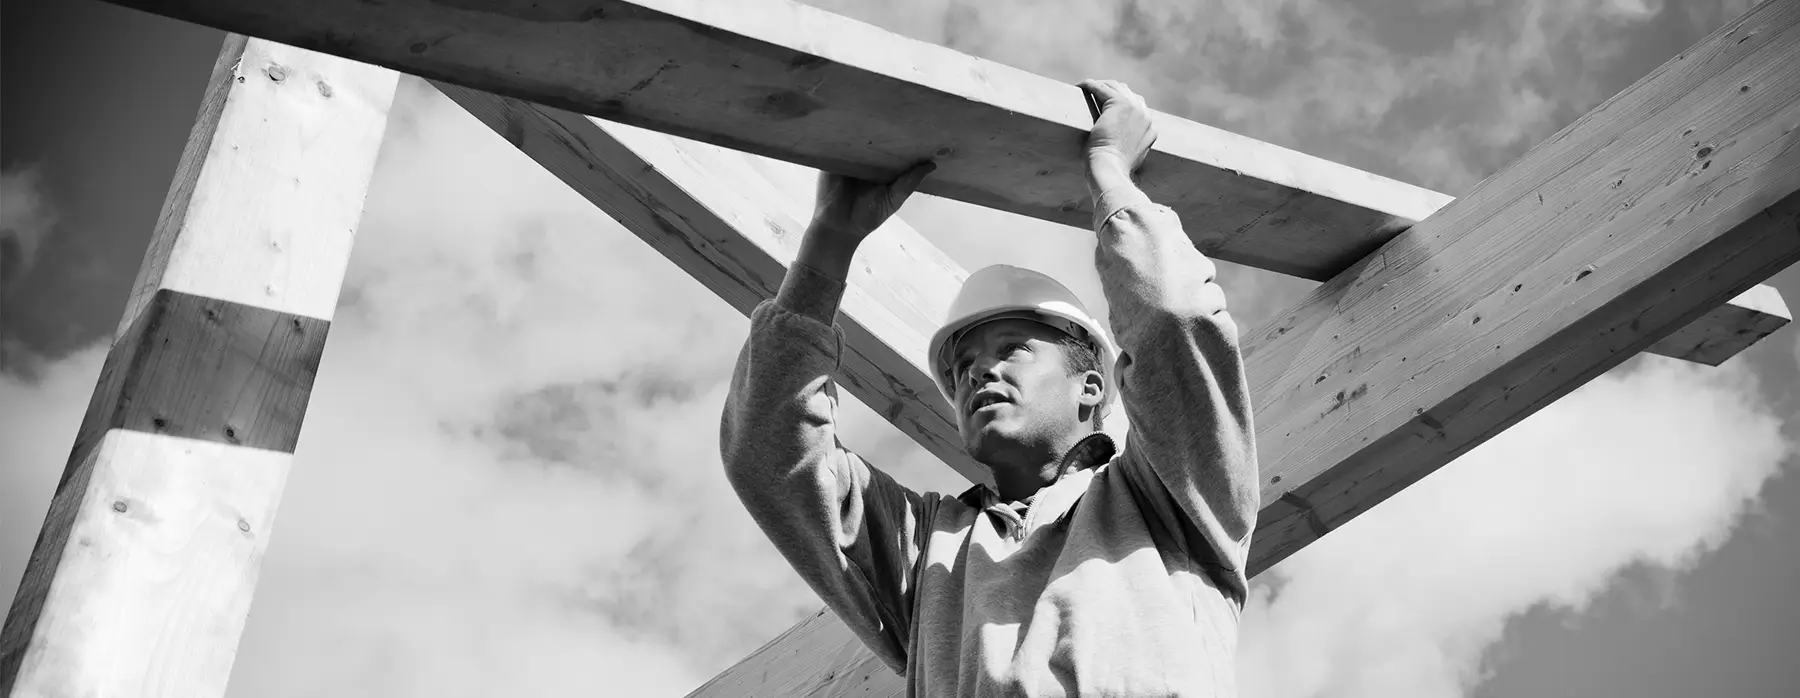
(1013, 390)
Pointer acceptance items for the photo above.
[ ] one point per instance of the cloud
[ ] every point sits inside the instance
(27, 215)
(1651, 467)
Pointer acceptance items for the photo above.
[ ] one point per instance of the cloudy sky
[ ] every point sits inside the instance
(508, 483)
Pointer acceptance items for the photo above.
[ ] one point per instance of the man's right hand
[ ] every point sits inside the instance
(849, 209)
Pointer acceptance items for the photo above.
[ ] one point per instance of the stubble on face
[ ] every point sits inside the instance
(1015, 398)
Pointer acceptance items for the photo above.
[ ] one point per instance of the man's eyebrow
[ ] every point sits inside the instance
(1003, 333)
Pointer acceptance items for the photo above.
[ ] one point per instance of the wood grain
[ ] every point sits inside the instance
(159, 551)
(143, 573)
(819, 658)
(209, 369)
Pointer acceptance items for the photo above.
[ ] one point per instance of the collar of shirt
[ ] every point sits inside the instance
(1090, 452)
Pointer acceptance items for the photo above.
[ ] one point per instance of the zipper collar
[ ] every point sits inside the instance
(1091, 451)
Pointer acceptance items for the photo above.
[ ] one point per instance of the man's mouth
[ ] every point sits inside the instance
(985, 400)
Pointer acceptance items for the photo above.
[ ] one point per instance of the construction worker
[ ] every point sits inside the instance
(1088, 569)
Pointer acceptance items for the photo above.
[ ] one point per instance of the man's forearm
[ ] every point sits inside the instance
(814, 283)
(1107, 172)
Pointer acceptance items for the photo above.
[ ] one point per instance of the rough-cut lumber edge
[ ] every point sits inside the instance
(1667, 200)
(792, 82)
(708, 210)
(1729, 329)
(142, 576)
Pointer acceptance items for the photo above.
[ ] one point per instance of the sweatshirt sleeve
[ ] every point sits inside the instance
(1191, 446)
(851, 531)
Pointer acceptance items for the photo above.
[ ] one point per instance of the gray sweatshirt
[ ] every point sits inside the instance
(1125, 577)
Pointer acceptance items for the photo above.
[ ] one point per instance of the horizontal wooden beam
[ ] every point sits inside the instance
(876, 103)
(142, 576)
(788, 81)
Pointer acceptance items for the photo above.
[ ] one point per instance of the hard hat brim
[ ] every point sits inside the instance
(1047, 314)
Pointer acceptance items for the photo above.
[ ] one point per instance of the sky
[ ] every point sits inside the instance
(508, 481)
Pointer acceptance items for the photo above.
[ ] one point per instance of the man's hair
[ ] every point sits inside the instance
(1078, 357)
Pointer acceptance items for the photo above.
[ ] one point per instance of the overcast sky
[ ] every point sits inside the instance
(508, 483)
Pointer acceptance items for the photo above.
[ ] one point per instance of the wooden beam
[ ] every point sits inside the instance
(819, 657)
(142, 576)
(792, 82)
(1729, 329)
(873, 103)
(710, 212)
(1667, 200)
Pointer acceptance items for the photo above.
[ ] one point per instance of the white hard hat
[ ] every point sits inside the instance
(1005, 291)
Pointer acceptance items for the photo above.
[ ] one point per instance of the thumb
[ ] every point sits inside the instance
(1104, 91)
(909, 181)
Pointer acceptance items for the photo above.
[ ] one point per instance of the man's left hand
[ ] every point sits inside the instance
(1121, 137)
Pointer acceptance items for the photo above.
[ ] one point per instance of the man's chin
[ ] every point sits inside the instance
(988, 438)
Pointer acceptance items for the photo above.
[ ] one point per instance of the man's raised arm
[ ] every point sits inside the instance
(1180, 374)
(848, 529)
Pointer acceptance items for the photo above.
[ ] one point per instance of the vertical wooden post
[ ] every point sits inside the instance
(142, 576)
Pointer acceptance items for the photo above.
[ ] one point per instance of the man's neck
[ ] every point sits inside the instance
(1020, 474)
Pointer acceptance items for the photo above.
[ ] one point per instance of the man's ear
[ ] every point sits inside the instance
(1093, 389)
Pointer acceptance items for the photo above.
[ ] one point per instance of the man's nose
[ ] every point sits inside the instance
(983, 371)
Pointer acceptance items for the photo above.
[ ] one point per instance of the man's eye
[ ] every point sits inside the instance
(1015, 348)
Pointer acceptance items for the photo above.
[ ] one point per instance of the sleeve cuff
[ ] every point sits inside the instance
(796, 330)
(1116, 199)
